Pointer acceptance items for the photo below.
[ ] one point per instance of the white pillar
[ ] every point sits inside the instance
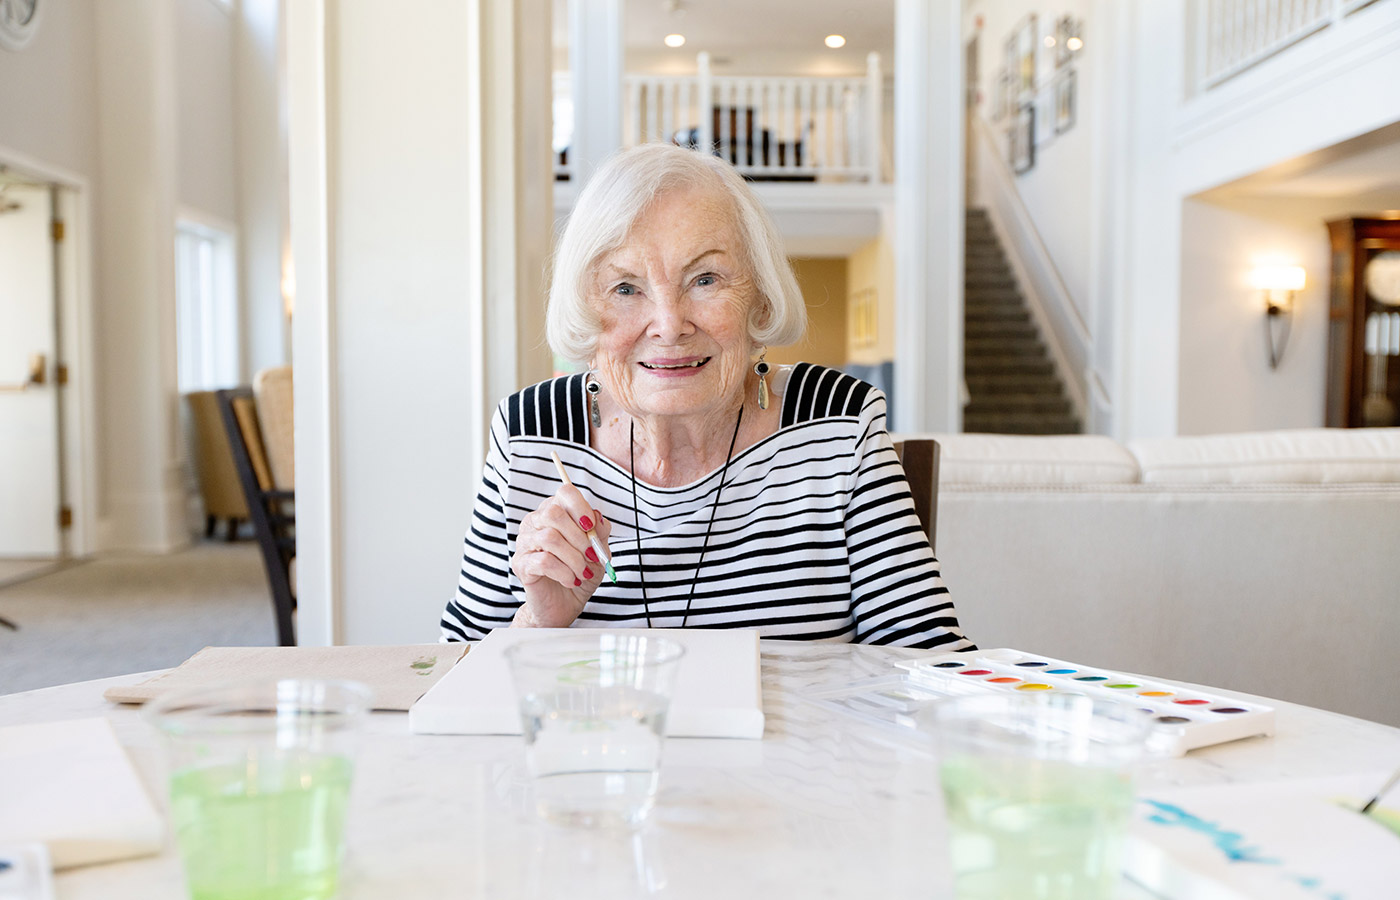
(262, 170)
(595, 60)
(419, 297)
(929, 216)
(138, 398)
(517, 186)
(386, 213)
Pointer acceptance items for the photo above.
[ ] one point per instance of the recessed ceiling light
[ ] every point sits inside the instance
(1049, 40)
(1074, 43)
(675, 40)
(835, 41)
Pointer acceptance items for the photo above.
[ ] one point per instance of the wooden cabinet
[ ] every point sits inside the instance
(1363, 343)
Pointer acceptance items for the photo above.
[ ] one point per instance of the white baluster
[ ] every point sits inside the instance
(652, 124)
(668, 110)
(634, 112)
(874, 114)
(745, 121)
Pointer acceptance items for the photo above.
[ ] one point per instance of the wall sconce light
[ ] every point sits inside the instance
(1279, 284)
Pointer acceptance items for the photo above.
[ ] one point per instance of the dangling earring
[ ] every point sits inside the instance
(760, 369)
(591, 385)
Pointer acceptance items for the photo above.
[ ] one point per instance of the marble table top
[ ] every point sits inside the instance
(821, 807)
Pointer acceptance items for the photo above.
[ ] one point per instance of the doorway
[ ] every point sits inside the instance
(31, 376)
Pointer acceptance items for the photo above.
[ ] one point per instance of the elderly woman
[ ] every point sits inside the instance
(729, 494)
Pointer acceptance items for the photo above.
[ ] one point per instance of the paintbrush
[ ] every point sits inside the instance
(592, 535)
(1381, 793)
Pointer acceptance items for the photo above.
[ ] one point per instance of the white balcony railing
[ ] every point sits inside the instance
(1233, 35)
(777, 128)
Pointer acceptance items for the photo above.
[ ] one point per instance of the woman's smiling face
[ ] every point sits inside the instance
(674, 302)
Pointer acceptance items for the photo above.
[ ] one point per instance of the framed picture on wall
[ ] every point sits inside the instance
(1022, 139)
(1066, 27)
(1001, 95)
(1026, 39)
(1066, 101)
(864, 323)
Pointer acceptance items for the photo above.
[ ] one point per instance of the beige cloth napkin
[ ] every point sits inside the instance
(398, 675)
(70, 786)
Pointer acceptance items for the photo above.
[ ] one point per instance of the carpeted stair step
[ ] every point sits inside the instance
(1008, 365)
(1040, 404)
(974, 329)
(988, 281)
(996, 314)
(1011, 383)
(992, 297)
(1003, 346)
(1019, 423)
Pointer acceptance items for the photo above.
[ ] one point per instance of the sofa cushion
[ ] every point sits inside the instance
(972, 459)
(1307, 456)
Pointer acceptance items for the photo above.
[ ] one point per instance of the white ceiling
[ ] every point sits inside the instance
(734, 31)
(1368, 165)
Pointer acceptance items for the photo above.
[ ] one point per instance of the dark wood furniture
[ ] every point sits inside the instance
(1363, 389)
(740, 143)
(919, 456)
(271, 511)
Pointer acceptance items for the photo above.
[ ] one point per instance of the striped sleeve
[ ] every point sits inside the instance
(897, 593)
(484, 600)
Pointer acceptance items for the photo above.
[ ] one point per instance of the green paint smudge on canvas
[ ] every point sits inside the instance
(424, 664)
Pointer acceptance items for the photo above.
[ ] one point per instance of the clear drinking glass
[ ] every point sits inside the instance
(1038, 792)
(593, 710)
(259, 784)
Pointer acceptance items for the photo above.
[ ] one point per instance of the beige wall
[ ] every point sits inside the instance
(871, 268)
(824, 288)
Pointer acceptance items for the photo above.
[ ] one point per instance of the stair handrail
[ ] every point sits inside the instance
(1051, 305)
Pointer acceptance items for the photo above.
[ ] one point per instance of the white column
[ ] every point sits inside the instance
(138, 395)
(262, 170)
(419, 297)
(517, 186)
(310, 166)
(386, 213)
(596, 60)
(928, 235)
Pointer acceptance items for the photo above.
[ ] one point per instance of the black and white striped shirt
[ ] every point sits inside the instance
(815, 536)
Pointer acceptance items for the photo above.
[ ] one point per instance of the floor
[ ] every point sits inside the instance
(13, 571)
(122, 614)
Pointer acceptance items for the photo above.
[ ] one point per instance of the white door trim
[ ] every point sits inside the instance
(75, 268)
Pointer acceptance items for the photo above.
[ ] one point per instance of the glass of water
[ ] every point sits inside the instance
(259, 784)
(593, 710)
(1038, 792)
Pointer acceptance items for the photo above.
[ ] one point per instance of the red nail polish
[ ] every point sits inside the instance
(577, 582)
(587, 572)
(585, 523)
(592, 557)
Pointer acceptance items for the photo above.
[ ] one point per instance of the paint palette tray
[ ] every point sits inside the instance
(1186, 718)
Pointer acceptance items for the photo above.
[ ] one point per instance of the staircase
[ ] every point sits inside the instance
(1012, 380)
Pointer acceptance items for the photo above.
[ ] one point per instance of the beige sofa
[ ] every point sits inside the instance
(1267, 563)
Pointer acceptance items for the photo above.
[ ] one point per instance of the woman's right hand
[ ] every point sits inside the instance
(554, 561)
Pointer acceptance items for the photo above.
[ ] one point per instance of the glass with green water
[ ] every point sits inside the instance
(260, 783)
(1037, 791)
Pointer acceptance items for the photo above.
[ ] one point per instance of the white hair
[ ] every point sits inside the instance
(619, 192)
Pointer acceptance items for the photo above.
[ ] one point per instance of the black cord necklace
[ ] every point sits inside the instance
(637, 522)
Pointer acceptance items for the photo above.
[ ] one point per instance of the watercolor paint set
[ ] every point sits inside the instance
(1185, 717)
